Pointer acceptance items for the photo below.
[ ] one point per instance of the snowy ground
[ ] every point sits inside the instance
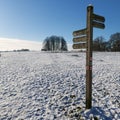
(51, 86)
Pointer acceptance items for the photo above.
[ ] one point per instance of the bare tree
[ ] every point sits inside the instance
(114, 42)
(54, 43)
(99, 44)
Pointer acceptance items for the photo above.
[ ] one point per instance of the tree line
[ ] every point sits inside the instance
(113, 44)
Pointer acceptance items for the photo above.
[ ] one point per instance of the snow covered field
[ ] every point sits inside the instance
(51, 86)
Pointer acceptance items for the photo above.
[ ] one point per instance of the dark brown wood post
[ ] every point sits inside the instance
(89, 58)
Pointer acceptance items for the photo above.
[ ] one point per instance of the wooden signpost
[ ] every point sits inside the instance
(79, 32)
(79, 45)
(83, 39)
(98, 18)
(80, 39)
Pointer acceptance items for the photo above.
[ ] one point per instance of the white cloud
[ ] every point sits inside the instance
(15, 44)
(70, 47)
(7, 44)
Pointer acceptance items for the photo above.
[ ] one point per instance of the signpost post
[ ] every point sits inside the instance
(83, 39)
(89, 58)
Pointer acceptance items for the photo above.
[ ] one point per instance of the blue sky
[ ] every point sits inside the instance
(34, 20)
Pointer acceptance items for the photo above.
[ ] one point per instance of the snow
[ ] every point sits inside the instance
(51, 86)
